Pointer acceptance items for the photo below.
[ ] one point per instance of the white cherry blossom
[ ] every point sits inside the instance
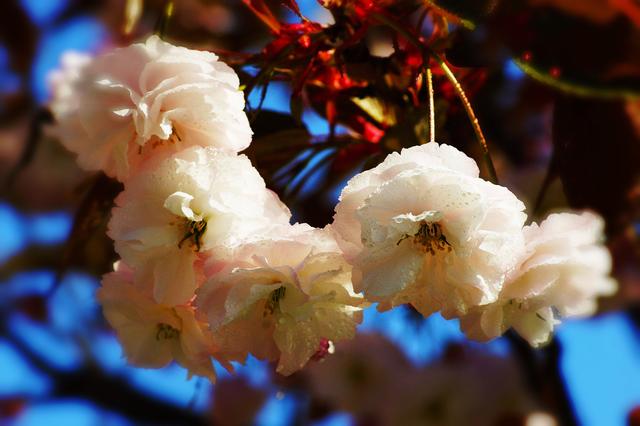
(423, 228)
(172, 212)
(116, 110)
(152, 334)
(565, 269)
(280, 297)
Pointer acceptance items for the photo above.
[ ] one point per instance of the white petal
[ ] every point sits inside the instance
(178, 204)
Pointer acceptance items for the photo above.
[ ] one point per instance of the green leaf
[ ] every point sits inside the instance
(589, 89)
(464, 13)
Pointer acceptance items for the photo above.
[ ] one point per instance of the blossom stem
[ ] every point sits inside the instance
(432, 114)
(427, 54)
(472, 117)
(163, 21)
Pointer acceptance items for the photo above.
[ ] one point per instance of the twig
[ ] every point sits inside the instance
(543, 376)
(549, 177)
(109, 392)
(39, 120)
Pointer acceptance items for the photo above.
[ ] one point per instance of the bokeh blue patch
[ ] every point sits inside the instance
(67, 413)
(279, 410)
(42, 13)
(18, 377)
(601, 364)
(421, 340)
(59, 350)
(335, 419)
(49, 228)
(512, 71)
(312, 10)
(73, 307)
(276, 97)
(9, 81)
(170, 384)
(83, 34)
(14, 239)
(19, 231)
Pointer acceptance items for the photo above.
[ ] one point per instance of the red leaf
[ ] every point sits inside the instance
(262, 11)
(11, 407)
(293, 5)
(634, 416)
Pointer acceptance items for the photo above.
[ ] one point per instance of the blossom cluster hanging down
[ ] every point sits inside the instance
(211, 269)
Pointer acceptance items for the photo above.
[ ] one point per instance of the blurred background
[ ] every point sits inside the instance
(555, 85)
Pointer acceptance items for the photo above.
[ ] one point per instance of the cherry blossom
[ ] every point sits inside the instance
(281, 297)
(566, 267)
(115, 110)
(172, 212)
(423, 228)
(152, 334)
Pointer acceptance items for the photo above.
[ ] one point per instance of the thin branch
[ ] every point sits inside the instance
(41, 118)
(549, 178)
(110, 392)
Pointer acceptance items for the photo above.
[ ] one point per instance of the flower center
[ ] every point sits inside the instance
(195, 229)
(429, 238)
(155, 141)
(166, 332)
(274, 301)
(193, 224)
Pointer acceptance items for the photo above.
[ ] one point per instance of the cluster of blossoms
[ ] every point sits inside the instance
(423, 228)
(211, 268)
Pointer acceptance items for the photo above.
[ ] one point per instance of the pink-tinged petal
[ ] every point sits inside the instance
(423, 228)
(116, 118)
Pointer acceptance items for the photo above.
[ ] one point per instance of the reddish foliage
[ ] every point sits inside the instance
(11, 407)
(634, 416)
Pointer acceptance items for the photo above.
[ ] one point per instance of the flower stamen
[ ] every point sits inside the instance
(195, 231)
(429, 238)
(166, 332)
(274, 300)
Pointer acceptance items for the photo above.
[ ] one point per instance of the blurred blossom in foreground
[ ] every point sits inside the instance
(370, 378)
